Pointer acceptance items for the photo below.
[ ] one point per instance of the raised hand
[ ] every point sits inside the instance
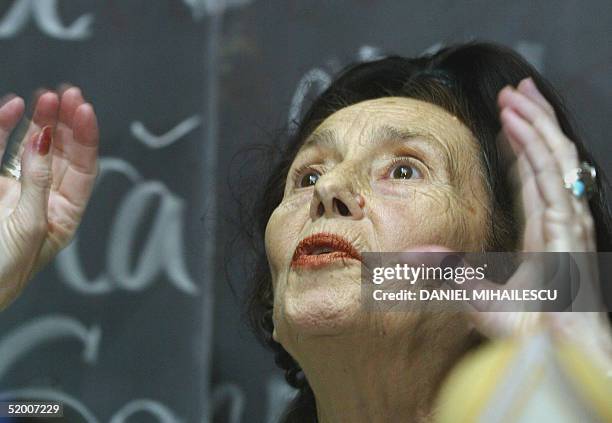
(40, 213)
(555, 219)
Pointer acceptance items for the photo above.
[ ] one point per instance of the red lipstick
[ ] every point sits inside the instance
(322, 249)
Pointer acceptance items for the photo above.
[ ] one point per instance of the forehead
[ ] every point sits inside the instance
(401, 113)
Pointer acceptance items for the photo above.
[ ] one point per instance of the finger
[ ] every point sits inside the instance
(70, 100)
(6, 98)
(530, 102)
(567, 221)
(63, 87)
(555, 140)
(528, 87)
(35, 97)
(543, 164)
(46, 111)
(10, 114)
(531, 202)
(82, 154)
(30, 215)
(589, 227)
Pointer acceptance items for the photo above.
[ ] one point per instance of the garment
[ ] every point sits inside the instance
(534, 379)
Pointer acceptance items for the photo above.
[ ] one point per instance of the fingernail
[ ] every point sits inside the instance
(43, 141)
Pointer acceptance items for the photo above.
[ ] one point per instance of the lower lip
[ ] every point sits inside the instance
(319, 260)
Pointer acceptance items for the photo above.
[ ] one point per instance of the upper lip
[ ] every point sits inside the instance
(325, 242)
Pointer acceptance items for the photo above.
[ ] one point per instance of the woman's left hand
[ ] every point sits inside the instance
(555, 219)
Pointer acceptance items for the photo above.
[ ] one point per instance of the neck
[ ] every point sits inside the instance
(384, 377)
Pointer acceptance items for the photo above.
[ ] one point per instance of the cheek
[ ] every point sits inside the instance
(283, 231)
(432, 215)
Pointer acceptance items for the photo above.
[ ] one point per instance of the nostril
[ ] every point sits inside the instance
(320, 210)
(341, 207)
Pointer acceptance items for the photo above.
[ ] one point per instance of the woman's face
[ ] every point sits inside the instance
(387, 174)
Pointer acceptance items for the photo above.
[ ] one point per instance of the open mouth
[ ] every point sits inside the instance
(321, 249)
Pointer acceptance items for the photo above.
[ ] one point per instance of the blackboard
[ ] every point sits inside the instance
(136, 320)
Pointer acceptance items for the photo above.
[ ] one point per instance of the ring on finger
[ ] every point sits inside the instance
(580, 181)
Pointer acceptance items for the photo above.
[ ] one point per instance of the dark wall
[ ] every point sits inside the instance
(136, 321)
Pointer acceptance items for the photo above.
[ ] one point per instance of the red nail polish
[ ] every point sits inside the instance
(42, 144)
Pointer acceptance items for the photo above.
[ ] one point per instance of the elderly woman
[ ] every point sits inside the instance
(404, 154)
(396, 155)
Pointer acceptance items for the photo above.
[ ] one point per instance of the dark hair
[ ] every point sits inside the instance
(465, 80)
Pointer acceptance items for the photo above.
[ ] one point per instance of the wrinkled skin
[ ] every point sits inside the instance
(40, 213)
(388, 366)
(441, 205)
(317, 311)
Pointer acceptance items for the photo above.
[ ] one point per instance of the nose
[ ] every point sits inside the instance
(332, 199)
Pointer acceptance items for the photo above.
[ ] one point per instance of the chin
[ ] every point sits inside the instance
(321, 302)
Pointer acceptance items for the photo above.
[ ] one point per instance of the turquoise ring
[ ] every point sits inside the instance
(581, 180)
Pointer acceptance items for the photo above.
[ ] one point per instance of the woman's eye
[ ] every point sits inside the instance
(405, 171)
(308, 180)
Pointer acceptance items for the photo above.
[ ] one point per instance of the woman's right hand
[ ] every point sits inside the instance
(40, 213)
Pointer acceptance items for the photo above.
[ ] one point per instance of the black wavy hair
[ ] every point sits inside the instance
(464, 79)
